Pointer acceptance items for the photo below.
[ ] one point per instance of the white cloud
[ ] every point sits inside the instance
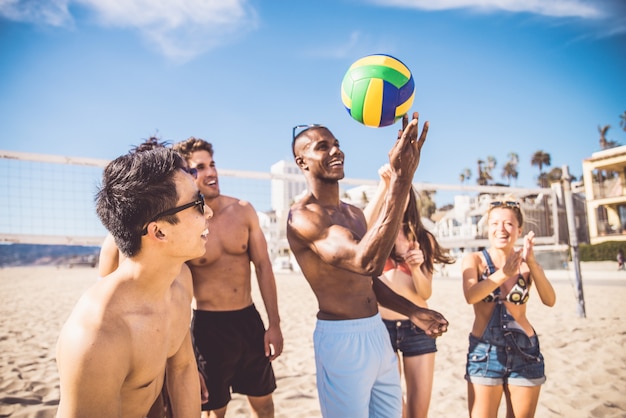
(601, 18)
(180, 29)
(557, 8)
(48, 12)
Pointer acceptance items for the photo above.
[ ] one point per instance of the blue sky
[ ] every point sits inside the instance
(92, 78)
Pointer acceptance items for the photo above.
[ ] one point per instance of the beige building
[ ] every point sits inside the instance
(604, 175)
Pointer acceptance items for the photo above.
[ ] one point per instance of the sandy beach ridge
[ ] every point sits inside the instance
(585, 357)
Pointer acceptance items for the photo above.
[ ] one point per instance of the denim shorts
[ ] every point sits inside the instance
(409, 339)
(518, 362)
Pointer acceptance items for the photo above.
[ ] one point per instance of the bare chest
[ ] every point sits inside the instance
(155, 336)
(226, 237)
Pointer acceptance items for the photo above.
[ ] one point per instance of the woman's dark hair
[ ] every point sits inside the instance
(414, 230)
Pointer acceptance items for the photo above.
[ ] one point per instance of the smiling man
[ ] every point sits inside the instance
(357, 370)
(228, 332)
(130, 328)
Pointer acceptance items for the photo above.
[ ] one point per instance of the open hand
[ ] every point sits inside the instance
(512, 264)
(529, 243)
(404, 157)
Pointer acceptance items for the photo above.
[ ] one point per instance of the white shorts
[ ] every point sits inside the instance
(357, 370)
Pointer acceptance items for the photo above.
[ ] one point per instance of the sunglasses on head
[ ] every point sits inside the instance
(298, 129)
(505, 204)
(198, 204)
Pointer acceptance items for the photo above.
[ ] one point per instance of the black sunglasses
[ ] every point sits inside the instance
(506, 204)
(198, 203)
(192, 171)
(298, 129)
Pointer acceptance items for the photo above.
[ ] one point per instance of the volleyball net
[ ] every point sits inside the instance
(49, 199)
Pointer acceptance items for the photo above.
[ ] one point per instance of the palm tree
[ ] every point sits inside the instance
(481, 180)
(605, 143)
(465, 175)
(509, 171)
(540, 159)
(622, 122)
(427, 204)
(491, 163)
(510, 168)
(603, 130)
(484, 170)
(555, 175)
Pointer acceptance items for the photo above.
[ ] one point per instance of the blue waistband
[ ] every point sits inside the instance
(350, 325)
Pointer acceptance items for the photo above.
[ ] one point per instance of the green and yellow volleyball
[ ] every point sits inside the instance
(377, 90)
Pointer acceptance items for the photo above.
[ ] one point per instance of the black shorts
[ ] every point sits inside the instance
(231, 345)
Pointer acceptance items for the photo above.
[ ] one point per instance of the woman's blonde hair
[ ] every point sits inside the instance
(508, 202)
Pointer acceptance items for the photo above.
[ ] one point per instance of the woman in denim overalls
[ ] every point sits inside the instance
(504, 355)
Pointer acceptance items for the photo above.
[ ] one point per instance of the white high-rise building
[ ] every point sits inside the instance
(287, 183)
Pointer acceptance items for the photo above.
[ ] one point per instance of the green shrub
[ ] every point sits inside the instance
(606, 251)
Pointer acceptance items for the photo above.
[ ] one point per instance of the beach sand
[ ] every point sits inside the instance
(585, 357)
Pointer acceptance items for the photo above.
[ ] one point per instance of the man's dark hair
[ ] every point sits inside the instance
(135, 188)
(302, 133)
(191, 145)
(150, 143)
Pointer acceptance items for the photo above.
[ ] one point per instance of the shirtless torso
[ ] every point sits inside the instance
(341, 293)
(222, 278)
(152, 320)
(222, 283)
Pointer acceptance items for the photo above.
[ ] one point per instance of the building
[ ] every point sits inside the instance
(286, 185)
(460, 228)
(604, 175)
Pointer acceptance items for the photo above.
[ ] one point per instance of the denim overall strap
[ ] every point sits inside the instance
(492, 268)
(493, 331)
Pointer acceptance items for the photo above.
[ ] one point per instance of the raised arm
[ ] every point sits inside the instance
(544, 287)
(404, 158)
(422, 278)
(372, 210)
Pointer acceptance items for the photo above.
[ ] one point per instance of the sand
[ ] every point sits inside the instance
(585, 357)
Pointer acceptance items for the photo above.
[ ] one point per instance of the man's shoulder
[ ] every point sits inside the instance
(306, 208)
(236, 204)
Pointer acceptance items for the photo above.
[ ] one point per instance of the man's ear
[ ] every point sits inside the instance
(300, 162)
(154, 231)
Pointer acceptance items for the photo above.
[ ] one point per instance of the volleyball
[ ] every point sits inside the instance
(377, 90)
